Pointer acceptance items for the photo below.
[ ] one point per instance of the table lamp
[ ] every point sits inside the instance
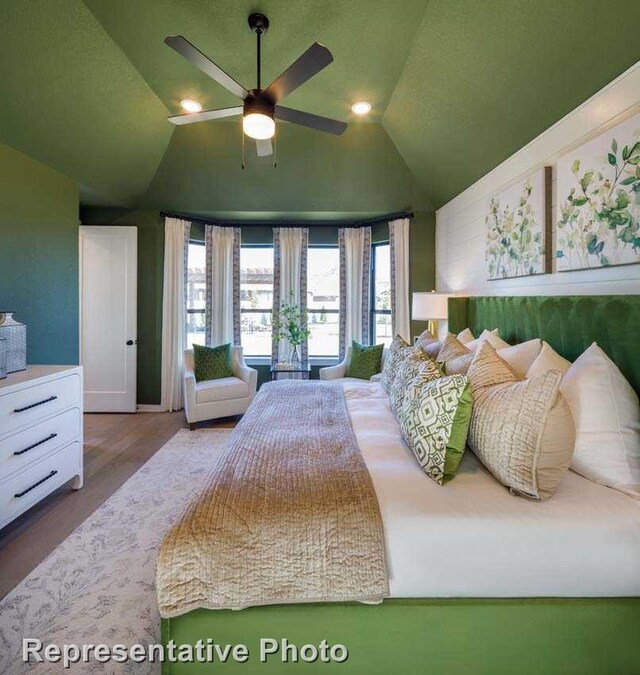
(431, 307)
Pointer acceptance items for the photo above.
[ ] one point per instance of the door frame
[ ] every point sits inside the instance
(113, 228)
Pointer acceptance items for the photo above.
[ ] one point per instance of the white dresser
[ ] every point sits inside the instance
(40, 435)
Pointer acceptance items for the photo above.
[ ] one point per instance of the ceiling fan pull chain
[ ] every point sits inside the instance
(275, 150)
(244, 166)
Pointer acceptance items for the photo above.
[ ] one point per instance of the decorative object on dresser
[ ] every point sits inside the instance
(519, 228)
(40, 436)
(15, 334)
(431, 307)
(3, 358)
(599, 201)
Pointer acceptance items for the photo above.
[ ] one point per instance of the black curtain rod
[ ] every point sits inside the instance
(278, 223)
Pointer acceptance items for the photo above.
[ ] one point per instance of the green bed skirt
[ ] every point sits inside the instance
(563, 636)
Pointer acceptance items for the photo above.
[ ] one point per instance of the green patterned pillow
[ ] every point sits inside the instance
(364, 362)
(414, 362)
(397, 350)
(434, 421)
(212, 363)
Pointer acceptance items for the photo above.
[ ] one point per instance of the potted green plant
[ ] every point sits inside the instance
(290, 324)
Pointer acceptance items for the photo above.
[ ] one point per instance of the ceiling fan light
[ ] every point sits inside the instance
(190, 105)
(258, 126)
(361, 108)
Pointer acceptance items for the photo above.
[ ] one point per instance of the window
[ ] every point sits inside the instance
(196, 294)
(256, 299)
(381, 294)
(323, 300)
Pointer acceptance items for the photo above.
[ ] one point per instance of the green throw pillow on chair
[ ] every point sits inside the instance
(365, 362)
(212, 363)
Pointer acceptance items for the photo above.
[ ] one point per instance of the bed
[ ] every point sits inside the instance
(480, 581)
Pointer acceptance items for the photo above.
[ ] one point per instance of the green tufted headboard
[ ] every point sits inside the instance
(569, 323)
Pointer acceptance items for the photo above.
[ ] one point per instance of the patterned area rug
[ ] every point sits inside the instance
(98, 586)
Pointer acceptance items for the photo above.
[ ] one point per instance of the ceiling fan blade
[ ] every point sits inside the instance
(205, 64)
(309, 120)
(309, 64)
(264, 148)
(205, 115)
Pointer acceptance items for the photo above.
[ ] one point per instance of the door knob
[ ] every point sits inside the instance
(130, 342)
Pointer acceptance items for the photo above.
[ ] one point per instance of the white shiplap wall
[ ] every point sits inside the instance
(460, 226)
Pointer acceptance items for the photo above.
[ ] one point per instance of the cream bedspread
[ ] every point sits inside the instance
(289, 514)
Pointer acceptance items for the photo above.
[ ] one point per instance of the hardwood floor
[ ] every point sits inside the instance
(115, 447)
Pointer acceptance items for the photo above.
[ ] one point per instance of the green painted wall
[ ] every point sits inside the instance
(39, 256)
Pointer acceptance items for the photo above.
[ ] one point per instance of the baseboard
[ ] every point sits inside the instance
(149, 408)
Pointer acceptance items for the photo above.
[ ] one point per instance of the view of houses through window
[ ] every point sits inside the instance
(256, 298)
(381, 295)
(196, 295)
(323, 300)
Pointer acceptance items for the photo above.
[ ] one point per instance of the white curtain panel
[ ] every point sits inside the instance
(399, 250)
(222, 285)
(355, 252)
(290, 278)
(176, 249)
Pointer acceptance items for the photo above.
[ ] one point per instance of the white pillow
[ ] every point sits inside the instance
(520, 357)
(548, 359)
(606, 413)
(465, 336)
(491, 336)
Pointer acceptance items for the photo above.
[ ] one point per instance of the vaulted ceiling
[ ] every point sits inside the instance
(457, 85)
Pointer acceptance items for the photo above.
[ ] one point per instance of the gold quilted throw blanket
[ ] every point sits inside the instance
(288, 515)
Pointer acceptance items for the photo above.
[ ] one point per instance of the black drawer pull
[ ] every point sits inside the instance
(35, 405)
(35, 445)
(35, 485)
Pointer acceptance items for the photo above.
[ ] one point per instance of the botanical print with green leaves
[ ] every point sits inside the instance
(515, 241)
(600, 217)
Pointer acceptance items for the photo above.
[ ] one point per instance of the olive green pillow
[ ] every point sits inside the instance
(212, 363)
(365, 362)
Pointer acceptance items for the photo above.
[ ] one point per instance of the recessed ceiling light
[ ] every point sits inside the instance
(190, 105)
(361, 108)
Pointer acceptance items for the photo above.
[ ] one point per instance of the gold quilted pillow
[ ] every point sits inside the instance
(522, 431)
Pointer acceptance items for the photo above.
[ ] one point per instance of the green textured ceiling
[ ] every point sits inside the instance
(484, 77)
(360, 172)
(369, 40)
(457, 86)
(70, 98)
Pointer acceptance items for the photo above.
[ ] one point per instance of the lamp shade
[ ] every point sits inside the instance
(429, 306)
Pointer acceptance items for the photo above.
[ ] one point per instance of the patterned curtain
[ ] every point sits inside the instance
(290, 246)
(222, 310)
(355, 284)
(399, 260)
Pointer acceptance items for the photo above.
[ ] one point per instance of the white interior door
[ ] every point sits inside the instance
(109, 279)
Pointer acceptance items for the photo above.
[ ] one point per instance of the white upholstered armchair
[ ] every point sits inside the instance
(338, 372)
(223, 397)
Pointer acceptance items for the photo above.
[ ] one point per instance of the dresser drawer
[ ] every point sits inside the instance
(32, 404)
(23, 490)
(29, 445)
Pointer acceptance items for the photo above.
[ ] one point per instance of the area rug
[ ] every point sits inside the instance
(98, 586)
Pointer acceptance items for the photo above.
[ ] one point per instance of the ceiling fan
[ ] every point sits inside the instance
(261, 107)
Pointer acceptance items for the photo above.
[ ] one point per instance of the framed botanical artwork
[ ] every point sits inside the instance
(518, 224)
(599, 201)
